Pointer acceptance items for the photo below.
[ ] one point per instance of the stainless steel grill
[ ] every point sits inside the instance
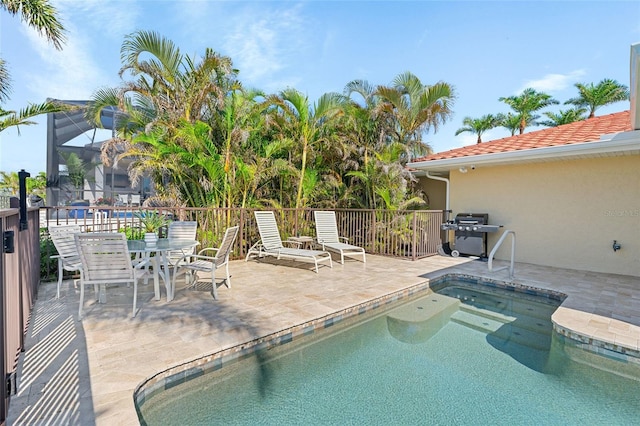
(470, 233)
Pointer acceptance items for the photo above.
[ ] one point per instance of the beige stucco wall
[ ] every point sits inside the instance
(436, 191)
(564, 213)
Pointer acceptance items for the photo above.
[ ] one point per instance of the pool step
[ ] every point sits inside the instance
(418, 321)
(509, 305)
(532, 323)
(503, 332)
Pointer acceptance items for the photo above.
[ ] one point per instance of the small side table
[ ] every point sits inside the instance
(303, 241)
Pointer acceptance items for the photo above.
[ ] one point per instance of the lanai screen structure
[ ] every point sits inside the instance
(64, 136)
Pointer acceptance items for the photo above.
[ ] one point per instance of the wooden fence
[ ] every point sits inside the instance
(410, 234)
(20, 272)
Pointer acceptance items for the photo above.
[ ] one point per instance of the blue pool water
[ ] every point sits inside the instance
(485, 358)
(86, 213)
(121, 214)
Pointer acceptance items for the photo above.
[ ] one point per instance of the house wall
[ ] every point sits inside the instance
(436, 191)
(565, 213)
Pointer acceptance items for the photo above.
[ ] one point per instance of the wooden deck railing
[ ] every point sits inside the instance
(410, 234)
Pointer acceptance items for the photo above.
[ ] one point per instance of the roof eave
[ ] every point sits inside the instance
(625, 142)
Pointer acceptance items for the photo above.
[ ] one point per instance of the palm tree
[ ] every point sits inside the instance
(22, 117)
(366, 130)
(564, 117)
(10, 182)
(5, 81)
(417, 108)
(77, 171)
(298, 121)
(364, 121)
(167, 86)
(509, 121)
(167, 91)
(528, 102)
(385, 179)
(237, 119)
(41, 16)
(479, 125)
(604, 93)
(37, 185)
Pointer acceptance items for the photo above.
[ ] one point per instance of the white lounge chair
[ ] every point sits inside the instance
(327, 236)
(106, 260)
(270, 243)
(65, 243)
(196, 263)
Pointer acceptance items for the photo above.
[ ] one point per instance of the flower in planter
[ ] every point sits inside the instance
(104, 201)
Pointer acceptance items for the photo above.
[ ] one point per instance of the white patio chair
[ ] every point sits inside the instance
(193, 264)
(271, 244)
(62, 237)
(327, 236)
(105, 259)
(181, 230)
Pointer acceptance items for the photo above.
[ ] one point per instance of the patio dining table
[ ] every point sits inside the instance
(159, 260)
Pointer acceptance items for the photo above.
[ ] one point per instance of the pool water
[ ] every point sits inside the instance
(479, 358)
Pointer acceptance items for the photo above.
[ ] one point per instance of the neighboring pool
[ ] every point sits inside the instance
(119, 214)
(492, 359)
(86, 213)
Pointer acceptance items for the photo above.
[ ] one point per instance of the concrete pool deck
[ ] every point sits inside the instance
(85, 373)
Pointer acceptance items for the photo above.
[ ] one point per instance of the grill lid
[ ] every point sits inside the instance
(472, 218)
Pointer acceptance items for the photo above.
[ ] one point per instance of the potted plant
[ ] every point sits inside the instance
(104, 201)
(150, 224)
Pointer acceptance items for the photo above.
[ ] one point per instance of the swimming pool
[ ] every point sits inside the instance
(481, 356)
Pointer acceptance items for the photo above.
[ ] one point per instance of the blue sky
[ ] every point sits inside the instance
(485, 49)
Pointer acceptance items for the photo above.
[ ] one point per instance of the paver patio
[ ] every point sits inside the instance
(84, 373)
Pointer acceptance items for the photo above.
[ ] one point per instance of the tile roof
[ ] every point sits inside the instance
(582, 131)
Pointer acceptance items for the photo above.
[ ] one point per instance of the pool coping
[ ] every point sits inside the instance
(188, 370)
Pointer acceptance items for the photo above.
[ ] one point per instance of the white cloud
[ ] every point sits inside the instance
(67, 74)
(265, 42)
(101, 18)
(553, 82)
(199, 19)
(75, 72)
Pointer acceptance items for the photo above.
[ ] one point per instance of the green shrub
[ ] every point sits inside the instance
(48, 266)
(132, 233)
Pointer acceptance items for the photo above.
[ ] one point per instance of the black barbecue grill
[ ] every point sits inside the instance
(470, 233)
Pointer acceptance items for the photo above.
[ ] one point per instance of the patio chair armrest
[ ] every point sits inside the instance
(188, 258)
(257, 245)
(64, 258)
(183, 260)
(344, 239)
(208, 249)
(202, 257)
